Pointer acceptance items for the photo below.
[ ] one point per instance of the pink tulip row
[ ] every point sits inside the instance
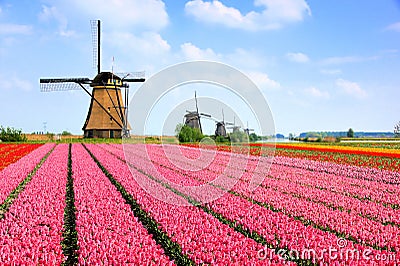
(363, 173)
(31, 231)
(332, 199)
(15, 173)
(202, 237)
(284, 174)
(387, 237)
(108, 232)
(361, 189)
(361, 228)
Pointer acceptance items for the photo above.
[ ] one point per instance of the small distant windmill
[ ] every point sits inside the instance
(107, 115)
(192, 118)
(235, 128)
(220, 126)
(247, 129)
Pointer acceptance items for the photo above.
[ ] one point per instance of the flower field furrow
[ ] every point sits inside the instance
(201, 236)
(228, 207)
(31, 231)
(12, 175)
(10, 153)
(108, 232)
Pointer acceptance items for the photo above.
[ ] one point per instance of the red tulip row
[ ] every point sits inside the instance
(387, 163)
(10, 153)
(384, 158)
(31, 230)
(319, 214)
(15, 173)
(203, 237)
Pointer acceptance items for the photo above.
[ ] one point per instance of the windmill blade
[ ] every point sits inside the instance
(63, 84)
(206, 115)
(95, 24)
(229, 123)
(138, 76)
(211, 118)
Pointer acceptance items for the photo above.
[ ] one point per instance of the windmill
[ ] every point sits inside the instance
(192, 118)
(247, 129)
(107, 115)
(235, 128)
(220, 126)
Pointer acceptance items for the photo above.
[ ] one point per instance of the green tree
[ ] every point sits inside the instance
(350, 133)
(10, 134)
(66, 133)
(238, 136)
(185, 133)
(221, 139)
(253, 137)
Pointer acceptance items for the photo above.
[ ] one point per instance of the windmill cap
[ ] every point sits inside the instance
(106, 78)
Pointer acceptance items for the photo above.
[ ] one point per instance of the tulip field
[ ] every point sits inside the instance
(149, 204)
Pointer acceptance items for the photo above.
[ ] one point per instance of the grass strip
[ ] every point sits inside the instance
(5, 206)
(172, 249)
(69, 242)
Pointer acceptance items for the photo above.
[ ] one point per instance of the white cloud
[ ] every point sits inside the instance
(148, 43)
(262, 80)
(240, 58)
(394, 27)
(314, 92)
(192, 52)
(337, 60)
(12, 82)
(149, 15)
(275, 14)
(11, 29)
(49, 13)
(298, 57)
(351, 88)
(331, 71)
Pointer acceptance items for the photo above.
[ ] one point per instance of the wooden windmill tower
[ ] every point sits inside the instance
(235, 128)
(192, 118)
(247, 129)
(108, 112)
(220, 129)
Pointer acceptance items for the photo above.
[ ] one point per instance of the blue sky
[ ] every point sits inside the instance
(321, 65)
